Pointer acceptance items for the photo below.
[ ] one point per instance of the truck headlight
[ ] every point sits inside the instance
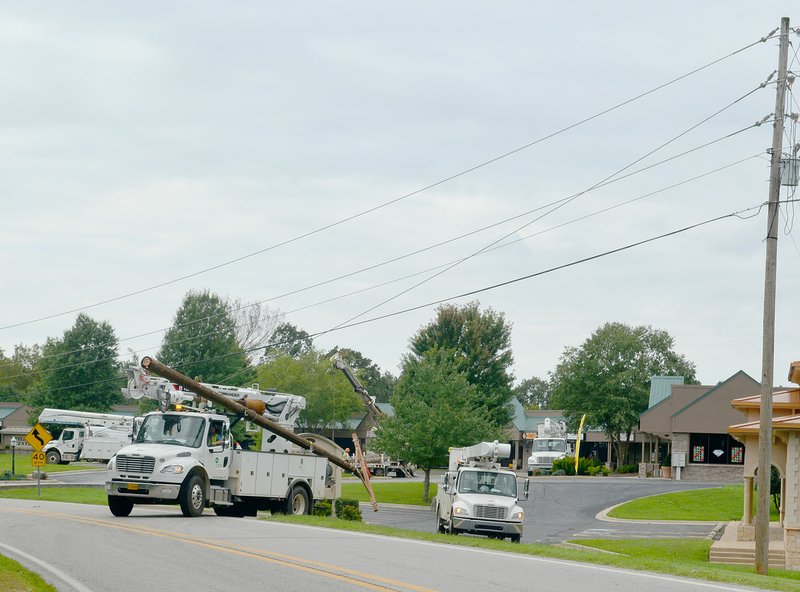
(110, 465)
(176, 469)
(460, 511)
(517, 515)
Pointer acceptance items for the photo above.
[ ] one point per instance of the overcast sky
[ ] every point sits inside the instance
(144, 142)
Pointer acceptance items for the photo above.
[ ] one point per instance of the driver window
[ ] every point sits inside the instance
(216, 433)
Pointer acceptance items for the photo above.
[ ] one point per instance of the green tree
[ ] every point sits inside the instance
(330, 400)
(608, 378)
(379, 384)
(202, 341)
(80, 371)
(18, 373)
(288, 340)
(533, 393)
(480, 346)
(435, 409)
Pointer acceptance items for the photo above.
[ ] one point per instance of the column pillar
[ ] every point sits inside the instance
(747, 517)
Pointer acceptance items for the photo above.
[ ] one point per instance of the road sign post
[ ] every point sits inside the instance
(37, 438)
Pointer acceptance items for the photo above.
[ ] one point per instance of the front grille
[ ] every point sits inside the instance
(135, 464)
(490, 512)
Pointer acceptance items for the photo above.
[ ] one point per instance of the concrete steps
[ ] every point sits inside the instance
(745, 556)
(732, 551)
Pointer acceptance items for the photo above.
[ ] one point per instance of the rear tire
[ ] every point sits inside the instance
(298, 504)
(120, 506)
(193, 497)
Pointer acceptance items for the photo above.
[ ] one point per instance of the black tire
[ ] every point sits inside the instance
(515, 538)
(53, 457)
(440, 523)
(297, 503)
(193, 497)
(120, 506)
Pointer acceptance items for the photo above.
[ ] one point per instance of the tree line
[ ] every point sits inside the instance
(455, 385)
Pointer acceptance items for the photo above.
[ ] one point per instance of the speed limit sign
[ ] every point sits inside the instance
(38, 459)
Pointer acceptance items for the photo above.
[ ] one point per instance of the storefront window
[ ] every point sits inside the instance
(715, 449)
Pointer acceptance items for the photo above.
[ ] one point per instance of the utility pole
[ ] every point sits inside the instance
(768, 343)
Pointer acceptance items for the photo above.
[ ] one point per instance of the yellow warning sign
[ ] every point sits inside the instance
(38, 437)
(38, 459)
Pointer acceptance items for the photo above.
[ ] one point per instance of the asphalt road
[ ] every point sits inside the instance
(562, 508)
(558, 509)
(83, 548)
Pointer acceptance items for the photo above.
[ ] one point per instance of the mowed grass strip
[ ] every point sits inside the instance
(390, 492)
(22, 465)
(719, 504)
(15, 578)
(75, 495)
(673, 557)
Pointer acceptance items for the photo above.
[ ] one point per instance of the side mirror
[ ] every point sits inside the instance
(525, 490)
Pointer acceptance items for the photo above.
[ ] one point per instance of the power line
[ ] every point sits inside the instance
(496, 246)
(738, 214)
(402, 197)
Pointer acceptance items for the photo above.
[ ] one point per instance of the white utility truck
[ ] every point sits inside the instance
(187, 456)
(87, 436)
(478, 496)
(550, 444)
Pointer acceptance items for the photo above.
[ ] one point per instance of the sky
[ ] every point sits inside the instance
(261, 150)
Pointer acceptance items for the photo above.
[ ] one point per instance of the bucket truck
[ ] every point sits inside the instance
(550, 444)
(87, 436)
(478, 496)
(187, 456)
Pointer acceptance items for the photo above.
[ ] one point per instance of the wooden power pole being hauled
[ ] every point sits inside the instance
(768, 343)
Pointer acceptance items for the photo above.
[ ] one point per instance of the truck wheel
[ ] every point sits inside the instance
(297, 503)
(193, 497)
(53, 457)
(120, 506)
(439, 523)
(515, 538)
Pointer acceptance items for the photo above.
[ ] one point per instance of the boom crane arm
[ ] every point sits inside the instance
(369, 402)
(151, 365)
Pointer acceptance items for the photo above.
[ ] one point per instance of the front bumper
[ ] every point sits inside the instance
(146, 489)
(486, 527)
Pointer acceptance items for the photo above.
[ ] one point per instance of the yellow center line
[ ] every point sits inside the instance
(316, 567)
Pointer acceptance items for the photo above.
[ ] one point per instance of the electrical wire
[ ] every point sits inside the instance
(562, 201)
(629, 246)
(402, 197)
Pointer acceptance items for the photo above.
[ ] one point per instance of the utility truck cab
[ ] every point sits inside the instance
(478, 496)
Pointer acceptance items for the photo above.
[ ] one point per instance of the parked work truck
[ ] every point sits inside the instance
(187, 455)
(550, 444)
(478, 496)
(85, 435)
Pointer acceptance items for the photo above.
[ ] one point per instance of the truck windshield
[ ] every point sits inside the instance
(181, 430)
(488, 482)
(548, 445)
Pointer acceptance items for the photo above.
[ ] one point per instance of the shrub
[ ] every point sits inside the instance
(566, 465)
(627, 469)
(323, 508)
(348, 509)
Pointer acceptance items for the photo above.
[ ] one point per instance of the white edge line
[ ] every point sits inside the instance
(69, 580)
(565, 562)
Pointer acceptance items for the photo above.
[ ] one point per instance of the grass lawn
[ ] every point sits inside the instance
(389, 492)
(22, 465)
(718, 504)
(15, 578)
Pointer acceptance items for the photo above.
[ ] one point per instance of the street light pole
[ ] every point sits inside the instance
(13, 449)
